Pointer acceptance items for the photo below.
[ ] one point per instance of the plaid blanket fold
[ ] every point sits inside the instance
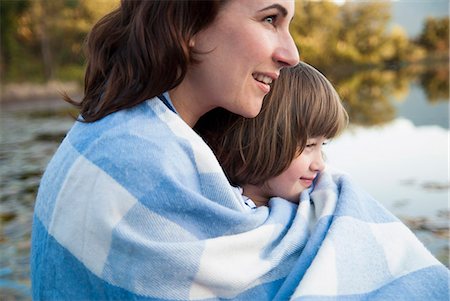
(136, 206)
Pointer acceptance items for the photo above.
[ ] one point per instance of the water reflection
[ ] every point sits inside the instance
(435, 83)
(421, 111)
(396, 148)
(30, 134)
(368, 94)
(405, 167)
(397, 145)
(402, 165)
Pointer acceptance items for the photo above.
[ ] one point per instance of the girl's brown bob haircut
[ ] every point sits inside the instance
(302, 104)
(139, 51)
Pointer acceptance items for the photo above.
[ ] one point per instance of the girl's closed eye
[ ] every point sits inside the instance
(309, 147)
(316, 142)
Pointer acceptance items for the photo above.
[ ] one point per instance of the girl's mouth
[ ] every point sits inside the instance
(307, 181)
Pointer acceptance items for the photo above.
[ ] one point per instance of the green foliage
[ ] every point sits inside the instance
(369, 96)
(10, 45)
(436, 84)
(73, 72)
(44, 39)
(366, 96)
(333, 36)
(363, 31)
(435, 34)
(316, 37)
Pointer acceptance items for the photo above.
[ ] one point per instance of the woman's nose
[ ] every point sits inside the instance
(287, 54)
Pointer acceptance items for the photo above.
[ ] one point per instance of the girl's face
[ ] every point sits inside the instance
(299, 175)
(240, 54)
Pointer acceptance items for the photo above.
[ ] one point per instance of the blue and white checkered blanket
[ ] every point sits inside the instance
(135, 206)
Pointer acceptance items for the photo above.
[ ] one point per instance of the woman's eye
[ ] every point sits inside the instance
(271, 19)
(310, 145)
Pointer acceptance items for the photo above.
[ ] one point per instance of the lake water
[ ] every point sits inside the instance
(404, 162)
(396, 148)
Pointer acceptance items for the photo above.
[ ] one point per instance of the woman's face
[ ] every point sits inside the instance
(242, 52)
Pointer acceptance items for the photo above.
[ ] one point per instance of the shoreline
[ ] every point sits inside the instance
(31, 96)
(27, 91)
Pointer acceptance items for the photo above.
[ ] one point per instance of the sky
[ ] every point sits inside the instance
(411, 14)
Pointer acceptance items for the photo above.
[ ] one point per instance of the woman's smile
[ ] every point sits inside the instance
(264, 80)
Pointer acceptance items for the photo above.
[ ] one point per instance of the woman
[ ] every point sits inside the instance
(206, 54)
(134, 205)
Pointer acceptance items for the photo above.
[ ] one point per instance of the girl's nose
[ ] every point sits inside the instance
(318, 164)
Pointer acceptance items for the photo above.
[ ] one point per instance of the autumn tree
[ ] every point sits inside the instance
(10, 12)
(50, 36)
(435, 34)
(332, 36)
(316, 36)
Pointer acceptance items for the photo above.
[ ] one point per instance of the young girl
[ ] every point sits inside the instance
(279, 153)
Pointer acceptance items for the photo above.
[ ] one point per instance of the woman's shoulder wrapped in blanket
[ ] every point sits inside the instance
(101, 232)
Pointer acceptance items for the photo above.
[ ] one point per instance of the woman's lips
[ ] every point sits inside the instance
(264, 80)
(264, 87)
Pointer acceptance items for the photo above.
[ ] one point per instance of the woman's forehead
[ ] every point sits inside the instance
(286, 8)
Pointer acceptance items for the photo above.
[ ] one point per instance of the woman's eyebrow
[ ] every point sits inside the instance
(277, 6)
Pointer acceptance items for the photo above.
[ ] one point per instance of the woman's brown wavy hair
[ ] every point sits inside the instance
(302, 104)
(139, 51)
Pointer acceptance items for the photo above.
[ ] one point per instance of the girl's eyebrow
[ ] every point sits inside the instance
(277, 6)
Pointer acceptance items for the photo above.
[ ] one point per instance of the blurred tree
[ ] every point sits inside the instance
(51, 35)
(402, 78)
(330, 36)
(435, 82)
(435, 34)
(399, 49)
(10, 12)
(41, 39)
(363, 34)
(316, 37)
(366, 96)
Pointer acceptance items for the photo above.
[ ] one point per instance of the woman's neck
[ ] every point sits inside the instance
(186, 113)
(189, 106)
